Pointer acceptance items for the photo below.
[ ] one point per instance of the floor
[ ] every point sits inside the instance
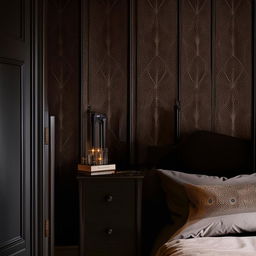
(67, 251)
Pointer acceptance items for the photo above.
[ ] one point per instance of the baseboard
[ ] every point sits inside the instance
(66, 251)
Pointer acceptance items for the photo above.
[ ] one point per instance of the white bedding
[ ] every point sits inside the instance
(210, 246)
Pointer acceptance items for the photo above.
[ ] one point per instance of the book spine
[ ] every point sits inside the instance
(102, 168)
(98, 168)
(103, 173)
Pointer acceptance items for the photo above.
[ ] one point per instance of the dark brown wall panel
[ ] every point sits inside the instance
(108, 42)
(195, 65)
(63, 81)
(211, 71)
(233, 67)
(156, 75)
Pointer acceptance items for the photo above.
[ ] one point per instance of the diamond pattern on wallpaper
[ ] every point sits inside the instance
(196, 71)
(108, 68)
(194, 67)
(62, 71)
(156, 71)
(196, 5)
(233, 5)
(233, 70)
(156, 4)
(156, 68)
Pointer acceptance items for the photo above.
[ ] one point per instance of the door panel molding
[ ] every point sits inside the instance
(18, 241)
(18, 30)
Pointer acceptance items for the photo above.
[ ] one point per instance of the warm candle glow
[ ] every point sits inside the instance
(97, 156)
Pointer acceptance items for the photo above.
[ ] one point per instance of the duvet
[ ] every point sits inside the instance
(210, 246)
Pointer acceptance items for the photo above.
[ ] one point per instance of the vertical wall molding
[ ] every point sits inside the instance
(253, 125)
(177, 105)
(84, 97)
(132, 80)
(213, 53)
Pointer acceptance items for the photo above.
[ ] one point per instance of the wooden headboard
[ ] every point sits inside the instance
(201, 152)
(213, 154)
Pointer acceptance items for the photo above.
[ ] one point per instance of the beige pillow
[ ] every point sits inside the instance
(217, 200)
(209, 205)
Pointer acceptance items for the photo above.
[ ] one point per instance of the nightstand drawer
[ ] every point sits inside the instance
(107, 200)
(110, 239)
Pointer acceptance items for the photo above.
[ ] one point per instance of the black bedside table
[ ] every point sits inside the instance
(110, 214)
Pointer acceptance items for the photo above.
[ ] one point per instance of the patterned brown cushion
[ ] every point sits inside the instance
(202, 205)
(217, 200)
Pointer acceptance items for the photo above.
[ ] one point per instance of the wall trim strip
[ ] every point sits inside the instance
(213, 53)
(253, 86)
(84, 97)
(132, 80)
(179, 46)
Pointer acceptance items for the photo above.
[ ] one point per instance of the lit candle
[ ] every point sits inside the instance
(99, 157)
(91, 156)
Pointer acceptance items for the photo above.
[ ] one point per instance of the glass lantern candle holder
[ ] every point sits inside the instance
(97, 156)
(105, 155)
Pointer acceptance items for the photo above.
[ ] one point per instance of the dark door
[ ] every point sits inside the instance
(17, 128)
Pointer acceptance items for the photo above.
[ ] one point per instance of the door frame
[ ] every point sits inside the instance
(38, 137)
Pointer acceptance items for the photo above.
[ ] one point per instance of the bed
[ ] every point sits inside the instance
(210, 246)
(204, 202)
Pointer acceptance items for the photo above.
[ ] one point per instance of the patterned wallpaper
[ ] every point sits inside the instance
(190, 51)
(211, 70)
(233, 67)
(216, 66)
(63, 82)
(156, 76)
(107, 65)
(195, 58)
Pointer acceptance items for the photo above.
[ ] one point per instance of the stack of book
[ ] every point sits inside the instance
(97, 169)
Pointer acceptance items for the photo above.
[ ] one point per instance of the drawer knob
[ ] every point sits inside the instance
(109, 231)
(109, 198)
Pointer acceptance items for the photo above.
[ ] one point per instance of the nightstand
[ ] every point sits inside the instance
(110, 214)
